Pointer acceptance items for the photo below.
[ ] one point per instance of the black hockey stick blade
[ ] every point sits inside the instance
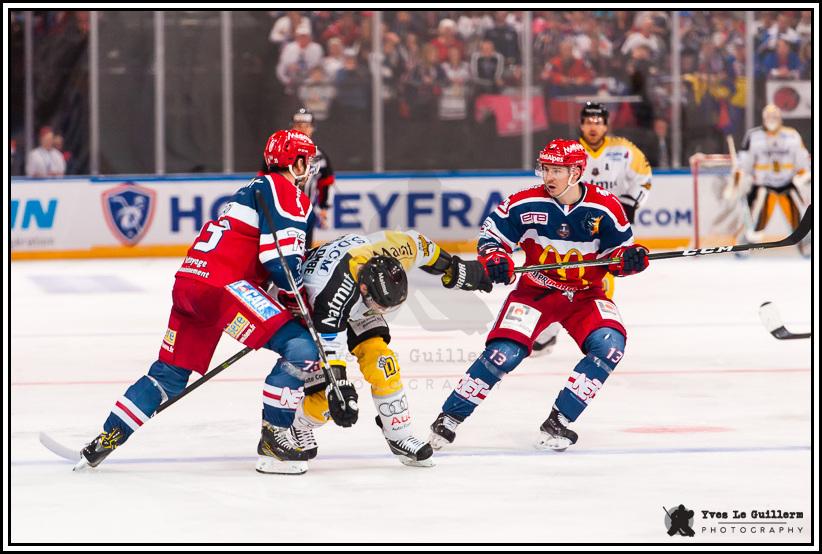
(773, 323)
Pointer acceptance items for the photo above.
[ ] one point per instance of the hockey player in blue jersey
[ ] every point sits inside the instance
(559, 220)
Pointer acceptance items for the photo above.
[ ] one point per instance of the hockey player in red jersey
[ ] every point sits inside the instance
(562, 219)
(220, 288)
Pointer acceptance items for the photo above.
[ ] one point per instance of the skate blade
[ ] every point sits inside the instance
(267, 464)
(548, 442)
(82, 465)
(437, 441)
(410, 462)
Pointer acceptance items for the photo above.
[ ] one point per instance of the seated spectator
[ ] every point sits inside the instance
(333, 62)
(297, 59)
(783, 63)
(346, 29)
(316, 93)
(505, 38)
(564, 74)
(446, 39)
(487, 67)
(643, 36)
(283, 30)
(45, 160)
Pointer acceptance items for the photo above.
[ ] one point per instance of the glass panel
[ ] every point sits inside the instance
(193, 92)
(126, 92)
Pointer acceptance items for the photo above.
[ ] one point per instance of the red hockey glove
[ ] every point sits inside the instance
(499, 266)
(289, 302)
(633, 259)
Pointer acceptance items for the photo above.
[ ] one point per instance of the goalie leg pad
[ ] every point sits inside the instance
(142, 399)
(500, 356)
(603, 349)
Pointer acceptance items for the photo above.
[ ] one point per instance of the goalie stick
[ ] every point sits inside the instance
(773, 323)
(797, 235)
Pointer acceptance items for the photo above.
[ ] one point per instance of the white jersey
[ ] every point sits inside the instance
(773, 159)
(619, 167)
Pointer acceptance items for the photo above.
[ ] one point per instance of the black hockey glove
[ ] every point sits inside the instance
(344, 417)
(466, 275)
(633, 259)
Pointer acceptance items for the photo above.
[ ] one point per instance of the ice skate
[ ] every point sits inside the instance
(443, 431)
(305, 439)
(554, 433)
(97, 450)
(411, 451)
(278, 454)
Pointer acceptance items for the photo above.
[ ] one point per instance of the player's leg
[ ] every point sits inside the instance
(187, 346)
(368, 340)
(793, 206)
(596, 326)
(520, 320)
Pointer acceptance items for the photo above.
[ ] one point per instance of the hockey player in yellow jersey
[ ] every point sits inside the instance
(351, 283)
(618, 166)
(777, 164)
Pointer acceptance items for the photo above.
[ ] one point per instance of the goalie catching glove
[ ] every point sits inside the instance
(466, 275)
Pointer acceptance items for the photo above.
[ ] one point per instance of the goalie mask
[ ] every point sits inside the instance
(383, 284)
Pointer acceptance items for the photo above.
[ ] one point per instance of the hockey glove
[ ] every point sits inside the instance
(343, 416)
(499, 266)
(633, 259)
(466, 275)
(289, 302)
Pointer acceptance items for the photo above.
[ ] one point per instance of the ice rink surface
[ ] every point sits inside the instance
(706, 410)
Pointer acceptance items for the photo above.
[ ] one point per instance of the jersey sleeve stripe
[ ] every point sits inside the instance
(246, 214)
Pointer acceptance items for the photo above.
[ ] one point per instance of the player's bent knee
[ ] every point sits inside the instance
(171, 379)
(379, 366)
(294, 344)
(605, 344)
(503, 355)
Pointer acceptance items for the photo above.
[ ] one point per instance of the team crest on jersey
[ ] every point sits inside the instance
(128, 209)
(592, 224)
(564, 231)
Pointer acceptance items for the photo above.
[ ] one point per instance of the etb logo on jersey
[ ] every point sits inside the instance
(538, 218)
(128, 209)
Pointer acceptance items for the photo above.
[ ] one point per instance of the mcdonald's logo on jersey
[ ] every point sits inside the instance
(551, 255)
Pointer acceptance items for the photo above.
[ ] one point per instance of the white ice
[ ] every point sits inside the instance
(706, 410)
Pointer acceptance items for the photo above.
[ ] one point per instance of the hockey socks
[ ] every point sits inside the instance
(499, 357)
(142, 399)
(604, 349)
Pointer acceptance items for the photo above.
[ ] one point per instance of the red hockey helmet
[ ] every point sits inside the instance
(284, 147)
(563, 152)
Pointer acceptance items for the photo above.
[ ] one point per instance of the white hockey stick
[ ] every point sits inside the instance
(773, 323)
(62, 451)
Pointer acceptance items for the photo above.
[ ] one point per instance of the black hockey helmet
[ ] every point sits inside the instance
(593, 109)
(303, 115)
(385, 283)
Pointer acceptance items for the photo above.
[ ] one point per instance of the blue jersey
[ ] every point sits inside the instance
(549, 232)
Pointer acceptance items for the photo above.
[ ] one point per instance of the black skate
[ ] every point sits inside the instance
(304, 438)
(97, 450)
(411, 451)
(543, 348)
(443, 430)
(554, 433)
(278, 454)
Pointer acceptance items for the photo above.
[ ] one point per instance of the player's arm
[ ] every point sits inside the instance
(498, 237)
(802, 163)
(326, 179)
(456, 273)
(616, 240)
(639, 182)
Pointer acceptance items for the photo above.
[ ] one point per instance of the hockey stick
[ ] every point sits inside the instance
(326, 367)
(773, 323)
(797, 235)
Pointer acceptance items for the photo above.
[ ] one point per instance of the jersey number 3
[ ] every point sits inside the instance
(216, 231)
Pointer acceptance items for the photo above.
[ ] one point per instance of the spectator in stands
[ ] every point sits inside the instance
(564, 74)
(59, 144)
(284, 28)
(352, 110)
(316, 93)
(394, 64)
(333, 62)
(487, 67)
(45, 160)
(346, 29)
(471, 26)
(781, 30)
(298, 58)
(643, 36)
(783, 63)
(505, 38)
(446, 39)
(455, 78)
(660, 154)
(422, 86)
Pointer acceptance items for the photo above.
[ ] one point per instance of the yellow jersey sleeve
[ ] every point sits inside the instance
(410, 248)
